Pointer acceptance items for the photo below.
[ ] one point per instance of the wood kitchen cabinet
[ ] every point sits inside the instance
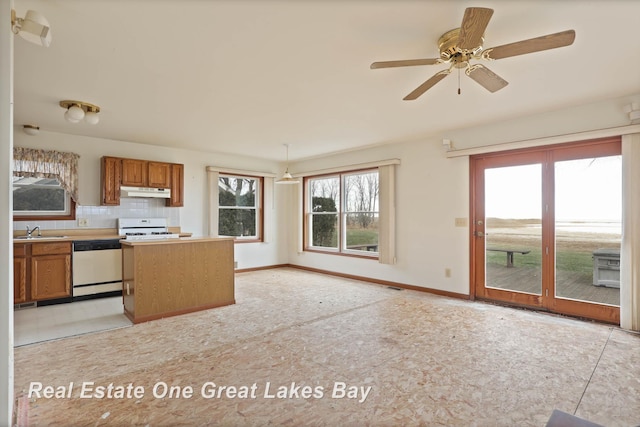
(159, 175)
(177, 185)
(176, 276)
(50, 270)
(117, 171)
(111, 173)
(143, 173)
(134, 172)
(19, 273)
(42, 271)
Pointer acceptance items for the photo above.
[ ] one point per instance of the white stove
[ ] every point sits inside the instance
(145, 229)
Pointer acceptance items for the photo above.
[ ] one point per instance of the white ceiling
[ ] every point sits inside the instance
(245, 77)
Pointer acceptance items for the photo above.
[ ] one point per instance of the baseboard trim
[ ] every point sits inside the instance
(266, 267)
(382, 282)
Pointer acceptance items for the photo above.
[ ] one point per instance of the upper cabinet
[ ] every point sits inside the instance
(141, 173)
(159, 174)
(117, 171)
(110, 177)
(177, 185)
(134, 172)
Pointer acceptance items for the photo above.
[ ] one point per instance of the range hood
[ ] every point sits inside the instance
(158, 193)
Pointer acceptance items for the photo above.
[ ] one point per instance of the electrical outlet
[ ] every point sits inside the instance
(447, 272)
(83, 222)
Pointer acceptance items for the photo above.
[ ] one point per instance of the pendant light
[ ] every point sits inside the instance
(287, 178)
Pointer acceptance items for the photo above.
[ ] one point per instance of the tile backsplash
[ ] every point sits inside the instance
(106, 216)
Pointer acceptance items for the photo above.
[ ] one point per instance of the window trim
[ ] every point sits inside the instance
(341, 213)
(259, 207)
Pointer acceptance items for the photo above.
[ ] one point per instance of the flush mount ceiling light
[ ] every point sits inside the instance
(31, 129)
(33, 27)
(78, 110)
(287, 178)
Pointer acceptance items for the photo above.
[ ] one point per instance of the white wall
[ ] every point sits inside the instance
(431, 191)
(6, 248)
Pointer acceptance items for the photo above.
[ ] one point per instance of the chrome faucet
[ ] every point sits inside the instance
(31, 231)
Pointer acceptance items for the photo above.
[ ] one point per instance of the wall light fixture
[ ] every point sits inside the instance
(33, 27)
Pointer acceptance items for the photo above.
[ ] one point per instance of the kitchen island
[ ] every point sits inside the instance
(168, 277)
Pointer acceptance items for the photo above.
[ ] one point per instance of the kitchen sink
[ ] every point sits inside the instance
(38, 237)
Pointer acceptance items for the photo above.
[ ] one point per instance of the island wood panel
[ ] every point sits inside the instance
(168, 278)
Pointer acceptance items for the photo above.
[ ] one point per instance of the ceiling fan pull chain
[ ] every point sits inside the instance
(458, 81)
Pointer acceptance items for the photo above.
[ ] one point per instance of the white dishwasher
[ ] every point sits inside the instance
(97, 268)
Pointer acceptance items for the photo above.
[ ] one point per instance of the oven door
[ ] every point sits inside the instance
(97, 269)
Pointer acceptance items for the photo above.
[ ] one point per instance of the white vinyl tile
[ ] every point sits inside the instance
(38, 324)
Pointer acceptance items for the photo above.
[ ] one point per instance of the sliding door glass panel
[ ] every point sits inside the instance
(588, 229)
(513, 228)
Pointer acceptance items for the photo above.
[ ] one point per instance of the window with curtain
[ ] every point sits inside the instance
(45, 184)
(342, 213)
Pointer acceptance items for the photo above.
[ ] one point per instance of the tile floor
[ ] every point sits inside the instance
(32, 325)
(421, 360)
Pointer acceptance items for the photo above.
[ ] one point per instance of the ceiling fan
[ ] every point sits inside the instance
(461, 45)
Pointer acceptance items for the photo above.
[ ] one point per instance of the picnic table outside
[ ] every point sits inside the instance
(509, 253)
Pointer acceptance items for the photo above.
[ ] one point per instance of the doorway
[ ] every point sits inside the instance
(546, 228)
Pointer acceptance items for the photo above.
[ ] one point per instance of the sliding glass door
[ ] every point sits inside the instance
(547, 228)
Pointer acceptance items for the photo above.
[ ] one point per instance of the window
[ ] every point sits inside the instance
(240, 207)
(45, 184)
(39, 197)
(343, 213)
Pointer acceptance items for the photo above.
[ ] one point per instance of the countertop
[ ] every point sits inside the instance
(173, 241)
(72, 235)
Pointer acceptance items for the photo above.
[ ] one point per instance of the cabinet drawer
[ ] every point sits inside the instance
(51, 248)
(20, 249)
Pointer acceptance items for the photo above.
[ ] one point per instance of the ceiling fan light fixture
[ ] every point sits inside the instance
(78, 110)
(460, 46)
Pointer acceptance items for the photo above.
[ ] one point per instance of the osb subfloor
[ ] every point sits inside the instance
(427, 361)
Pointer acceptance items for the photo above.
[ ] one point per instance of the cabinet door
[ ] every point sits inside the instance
(159, 175)
(177, 185)
(50, 276)
(134, 172)
(19, 280)
(111, 171)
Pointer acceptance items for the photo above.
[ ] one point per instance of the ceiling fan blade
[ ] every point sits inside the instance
(405, 63)
(550, 41)
(474, 23)
(426, 85)
(486, 78)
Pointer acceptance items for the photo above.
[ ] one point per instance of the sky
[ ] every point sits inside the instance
(586, 190)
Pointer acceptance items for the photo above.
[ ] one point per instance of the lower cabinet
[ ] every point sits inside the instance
(42, 271)
(19, 274)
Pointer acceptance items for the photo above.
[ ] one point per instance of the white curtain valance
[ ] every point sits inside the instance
(37, 163)
(537, 142)
(348, 168)
(243, 172)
